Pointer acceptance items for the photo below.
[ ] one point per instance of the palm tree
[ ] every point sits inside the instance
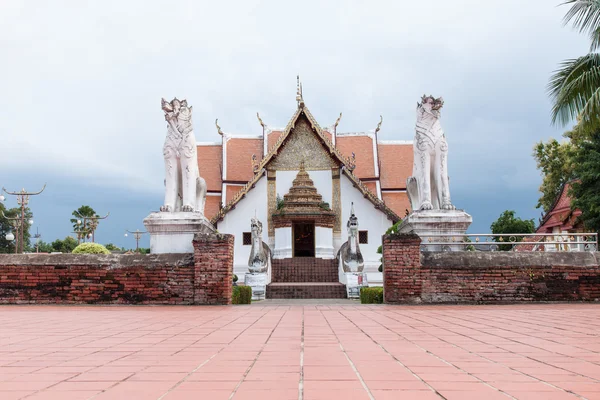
(575, 86)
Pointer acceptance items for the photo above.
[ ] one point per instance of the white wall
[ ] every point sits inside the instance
(369, 219)
(321, 179)
(237, 221)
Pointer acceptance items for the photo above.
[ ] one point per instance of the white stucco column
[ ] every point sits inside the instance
(324, 242)
(283, 243)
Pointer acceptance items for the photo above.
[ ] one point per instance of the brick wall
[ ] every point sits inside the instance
(204, 277)
(402, 268)
(486, 277)
(213, 268)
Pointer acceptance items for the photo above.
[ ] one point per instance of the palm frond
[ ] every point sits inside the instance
(584, 14)
(572, 85)
(591, 112)
(595, 40)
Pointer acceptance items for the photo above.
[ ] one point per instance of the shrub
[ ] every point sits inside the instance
(235, 278)
(90, 248)
(371, 295)
(241, 295)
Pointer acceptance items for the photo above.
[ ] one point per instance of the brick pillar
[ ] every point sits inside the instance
(213, 268)
(401, 268)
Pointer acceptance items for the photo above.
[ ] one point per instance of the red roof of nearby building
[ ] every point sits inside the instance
(396, 163)
(560, 214)
(238, 153)
(210, 162)
(362, 147)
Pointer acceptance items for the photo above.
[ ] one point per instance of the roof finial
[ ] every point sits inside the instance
(218, 127)
(379, 124)
(337, 121)
(260, 120)
(302, 165)
(352, 208)
(299, 98)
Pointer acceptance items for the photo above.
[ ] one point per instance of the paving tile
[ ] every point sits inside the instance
(541, 351)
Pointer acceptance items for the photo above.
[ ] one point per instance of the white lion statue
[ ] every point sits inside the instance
(428, 188)
(185, 189)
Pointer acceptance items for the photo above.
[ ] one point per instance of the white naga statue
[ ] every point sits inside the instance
(350, 257)
(185, 189)
(428, 188)
(259, 254)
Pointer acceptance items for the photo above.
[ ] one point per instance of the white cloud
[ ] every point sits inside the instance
(82, 81)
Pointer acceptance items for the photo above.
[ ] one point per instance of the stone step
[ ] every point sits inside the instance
(304, 270)
(306, 290)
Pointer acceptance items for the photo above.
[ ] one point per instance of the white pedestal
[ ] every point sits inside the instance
(173, 232)
(429, 223)
(258, 283)
(354, 281)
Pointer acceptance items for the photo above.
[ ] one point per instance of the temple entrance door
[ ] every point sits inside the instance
(304, 239)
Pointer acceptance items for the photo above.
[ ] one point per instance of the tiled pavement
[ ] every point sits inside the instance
(284, 352)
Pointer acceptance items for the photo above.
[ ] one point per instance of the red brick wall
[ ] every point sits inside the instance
(213, 268)
(402, 268)
(72, 278)
(204, 277)
(486, 277)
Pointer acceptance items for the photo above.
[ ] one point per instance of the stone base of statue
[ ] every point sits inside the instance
(173, 232)
(258, 283)
(355, 281)
(439, 230)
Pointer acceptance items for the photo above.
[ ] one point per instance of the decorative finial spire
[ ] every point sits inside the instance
(260, 120)
(379, 124)
(352, 208)
(337, 121)
(299, 98)
(302, 165)
(218, 127)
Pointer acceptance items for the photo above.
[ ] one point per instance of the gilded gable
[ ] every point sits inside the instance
(302, 144)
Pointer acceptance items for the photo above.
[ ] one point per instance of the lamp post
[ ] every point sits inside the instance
(137, 235)
(37, 238)
(17, 224)
(23, 201)
(86, 231)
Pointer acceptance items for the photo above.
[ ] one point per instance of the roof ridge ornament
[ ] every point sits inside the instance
(261, 121)
(379, 124)
(219, 131)
(299, 97)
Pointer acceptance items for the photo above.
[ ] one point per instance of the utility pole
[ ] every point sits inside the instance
(23, 201)
(88, 230)
(137, 235)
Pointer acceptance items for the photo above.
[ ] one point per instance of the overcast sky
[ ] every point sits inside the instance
(81, 84)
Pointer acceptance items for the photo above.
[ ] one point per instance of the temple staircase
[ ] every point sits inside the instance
(305, 278)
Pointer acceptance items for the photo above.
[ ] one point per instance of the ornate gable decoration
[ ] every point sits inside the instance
(302, 128)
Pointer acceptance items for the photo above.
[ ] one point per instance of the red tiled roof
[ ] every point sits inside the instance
(212, 206)
(239, 153)
(362, 147)
(397, 201)
(210, 161)
(396, 163)
(231, 191)
(272, 139)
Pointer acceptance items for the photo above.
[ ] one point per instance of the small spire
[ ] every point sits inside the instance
(299, 98)
(352, 209)
(302, 165)
(379, 124)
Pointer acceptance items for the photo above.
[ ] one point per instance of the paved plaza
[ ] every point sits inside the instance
(279, 351)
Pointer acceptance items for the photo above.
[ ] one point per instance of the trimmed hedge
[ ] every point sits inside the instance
(241, 295)
(90, 248)
(371, 295)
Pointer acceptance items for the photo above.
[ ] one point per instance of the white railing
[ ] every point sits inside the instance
(511, 242)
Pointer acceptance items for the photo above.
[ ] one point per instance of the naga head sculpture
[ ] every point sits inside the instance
(256, 226)
(431, 103)
(352, 224)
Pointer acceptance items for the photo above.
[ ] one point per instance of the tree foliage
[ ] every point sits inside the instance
(87, 225)
(90, 248)
(67, 245)
(511, 225)
(585, 192)
(575, 87)
(556, 162)
(6, 226)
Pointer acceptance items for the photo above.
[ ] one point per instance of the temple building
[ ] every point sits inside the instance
(300, 182)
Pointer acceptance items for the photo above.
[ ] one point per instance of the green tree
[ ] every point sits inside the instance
(81, 224)
(508, 224)
(64, 246)
(575, 86)
(112, 247)
(585, 192)
(556, 162)
(6, 226)
(44, 247)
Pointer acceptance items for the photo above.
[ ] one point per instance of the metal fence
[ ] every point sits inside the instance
(511, 242)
